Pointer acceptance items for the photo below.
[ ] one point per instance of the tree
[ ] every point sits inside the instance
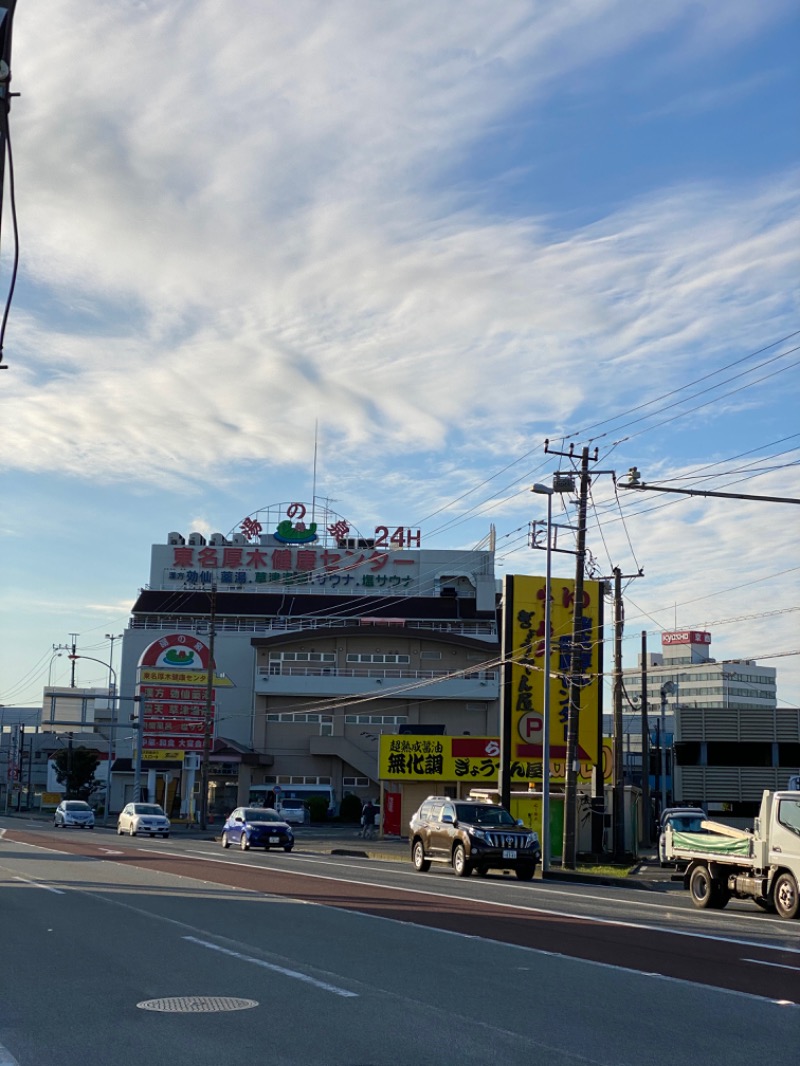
(75, 769)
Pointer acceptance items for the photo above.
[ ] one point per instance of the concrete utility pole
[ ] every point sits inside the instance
(646, 813)
(578, 654)
(6, 25)
(569, 847)
(619, 775)
(207, 720)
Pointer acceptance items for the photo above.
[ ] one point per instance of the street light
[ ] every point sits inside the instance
(667, 689)
(112, 674)
(545, 490)
(112, 637)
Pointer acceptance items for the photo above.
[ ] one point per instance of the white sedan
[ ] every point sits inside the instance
(143, 818)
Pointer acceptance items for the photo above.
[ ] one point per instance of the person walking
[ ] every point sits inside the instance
(369, 815)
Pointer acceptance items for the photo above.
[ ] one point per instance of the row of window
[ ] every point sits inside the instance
(284, 780)
(654, 694)
(298, 717)
(706, 675)
(293, 718)
(303, 656)
(353, 657)
(358, 658)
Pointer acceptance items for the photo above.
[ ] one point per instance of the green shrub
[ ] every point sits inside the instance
(350, 809)
(318, 808)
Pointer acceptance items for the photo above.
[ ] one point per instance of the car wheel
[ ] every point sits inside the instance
(421, 864)
(461, 867)
(119, 830)
(56, 825)
(224, 841)
(131, 830)
(165, 835)
(288, 848)
(243, 842)
(525, 873)
(482, 871)
(90, 827)
(785, 896)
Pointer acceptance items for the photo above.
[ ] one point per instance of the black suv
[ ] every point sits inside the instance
(472, 835)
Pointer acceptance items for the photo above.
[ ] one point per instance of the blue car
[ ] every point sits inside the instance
(257, 827)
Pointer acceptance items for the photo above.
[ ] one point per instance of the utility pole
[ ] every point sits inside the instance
(619, 776)
(646, 813)
(577, 650)
(73, 656)
(207, 720)
(6, 20)
(21, 765)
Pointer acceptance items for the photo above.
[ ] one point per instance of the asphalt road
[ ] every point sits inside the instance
(342, 961)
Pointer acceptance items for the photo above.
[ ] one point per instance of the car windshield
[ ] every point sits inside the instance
(77, 805)
(483, 814)
(261, 814)
(686, 823)
(147, 808)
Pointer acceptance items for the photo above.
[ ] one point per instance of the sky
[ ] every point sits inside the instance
(416, 241)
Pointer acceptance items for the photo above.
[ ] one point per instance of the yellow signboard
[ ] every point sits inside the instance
(151, 674)
(524, 649)
(153, 755)
(407, 757)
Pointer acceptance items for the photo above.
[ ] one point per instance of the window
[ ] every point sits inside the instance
(355, 782)
(432, 655)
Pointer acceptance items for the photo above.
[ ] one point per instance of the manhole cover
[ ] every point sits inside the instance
(196, 1004)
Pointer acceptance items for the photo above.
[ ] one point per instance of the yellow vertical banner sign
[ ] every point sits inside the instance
(527, 668)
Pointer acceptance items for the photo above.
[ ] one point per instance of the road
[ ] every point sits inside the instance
(318, 960)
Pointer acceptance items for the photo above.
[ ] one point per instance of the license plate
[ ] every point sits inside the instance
(274, 840)
(509, 854)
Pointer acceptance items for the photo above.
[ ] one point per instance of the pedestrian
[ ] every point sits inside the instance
(369, 815)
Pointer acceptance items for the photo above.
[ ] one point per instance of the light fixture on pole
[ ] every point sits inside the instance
(113, 637)
(545, 490)
(667, 689)
(112, 674)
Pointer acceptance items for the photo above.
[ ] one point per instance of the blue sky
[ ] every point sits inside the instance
(441, 233)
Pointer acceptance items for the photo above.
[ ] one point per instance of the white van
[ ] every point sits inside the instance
(294, 811)
(277, 795)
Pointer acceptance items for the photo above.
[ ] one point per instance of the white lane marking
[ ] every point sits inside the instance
(780, 965)
(38, 884)
(616, 922)
(295, 974)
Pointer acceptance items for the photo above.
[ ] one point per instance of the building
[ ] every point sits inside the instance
(321, 640)
(699, 680)
(723, 737)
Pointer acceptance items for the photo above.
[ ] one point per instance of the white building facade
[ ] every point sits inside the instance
(323, 638)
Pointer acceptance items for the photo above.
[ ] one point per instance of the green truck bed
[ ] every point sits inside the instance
(713, 844)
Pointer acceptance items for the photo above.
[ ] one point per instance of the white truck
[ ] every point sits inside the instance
(762, 864)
